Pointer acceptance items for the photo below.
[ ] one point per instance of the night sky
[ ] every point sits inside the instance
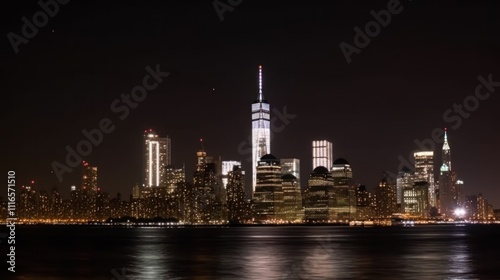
(394, 91)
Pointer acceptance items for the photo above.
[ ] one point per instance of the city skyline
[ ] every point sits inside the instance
(422, 170)
(250, 139)
(378, 105)
(160, 158)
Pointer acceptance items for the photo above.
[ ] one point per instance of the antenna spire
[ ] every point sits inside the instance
(260, 83)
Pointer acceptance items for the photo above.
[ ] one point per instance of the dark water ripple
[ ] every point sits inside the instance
(426, 252)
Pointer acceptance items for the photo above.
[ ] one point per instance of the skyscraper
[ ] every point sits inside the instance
(156, 158)
(344, 203)
(403, 181)
(261, 130)
(89, 190)
(89, 177)
(228, 166)
(319, 196)
(363, 203)
(292, 199)
(207, 188)
(236, 195)
(174, 176)
(322, 154)
(385, 195)
(268, 195)
(424, 172)
(416, 199)
(450, 195)
(291, 166)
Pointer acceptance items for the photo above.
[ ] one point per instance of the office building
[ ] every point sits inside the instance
(292, 199)
(226, 167)
(319, 197)
(424, 172)
(451, 190)
(416, 199)
(344, 204)
(261, 130)
(268, 195)
(364, 209)
(89, 177)
(403, 181)
(208, 206)
(156, 158)
(385, 195)
(291, 166)
(174, 176)
(322, 154)
(236, 204)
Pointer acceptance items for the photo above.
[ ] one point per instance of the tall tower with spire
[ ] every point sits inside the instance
(448, 194)
(446, 151)
(261, 130)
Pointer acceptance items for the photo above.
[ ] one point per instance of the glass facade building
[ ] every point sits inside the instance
(424, 172)
(226, 167)
(403, 181)
(156, 158)
(268, 195)
(261, 130)
(322, 153)
(291, 166)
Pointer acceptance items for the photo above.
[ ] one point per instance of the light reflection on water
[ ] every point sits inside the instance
(429, 252)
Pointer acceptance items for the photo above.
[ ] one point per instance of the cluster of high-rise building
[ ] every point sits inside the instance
(217, 193)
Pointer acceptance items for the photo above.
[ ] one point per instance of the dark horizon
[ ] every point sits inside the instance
(396, 90)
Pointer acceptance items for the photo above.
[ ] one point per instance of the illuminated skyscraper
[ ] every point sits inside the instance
(292, 199)
(261, 130)
(344, 203)
(268, 195)
(206, 182)
(450, 193)
(424, 172)
(291, 166)
(363, 203)
(404, 180)
(385, 195)
(416, 199)
(236, 195)
(174, 176)
(228, 166)
(156, 158)
(322, 154)
(89, 190)
(89, 177)
(319, 196)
